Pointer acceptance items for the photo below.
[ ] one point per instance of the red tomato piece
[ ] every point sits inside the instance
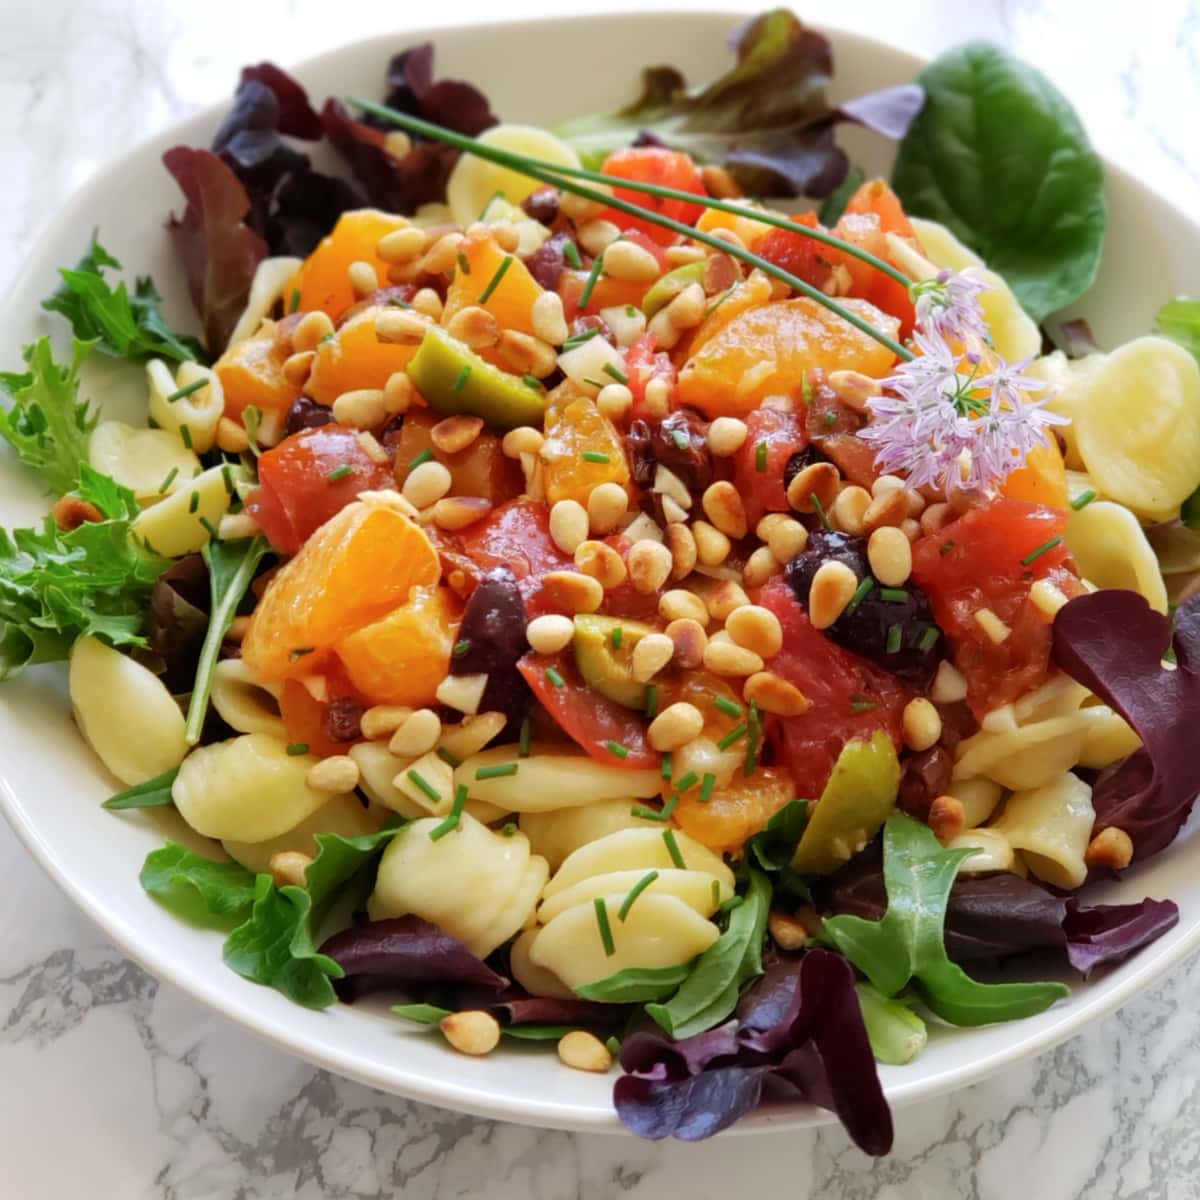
(803, 256)
(643, 363)
(667, 168)
(851, 698)
(758, 466)
(590, 719)
(303, 482)
(988, 559)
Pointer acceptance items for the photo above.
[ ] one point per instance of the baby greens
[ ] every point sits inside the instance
(1179, 320)
(999, 156)
(636, 985)
(154, 793)
(897, 1034)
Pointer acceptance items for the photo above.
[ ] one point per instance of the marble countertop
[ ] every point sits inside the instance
(114, 1087)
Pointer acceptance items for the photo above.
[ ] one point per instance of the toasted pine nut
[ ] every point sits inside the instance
(821, 480)
(727, 658)
(579, 208)
(584, 1051)
(992, 625)
(596, 236)
(573, 590)
(922, 724)
(70, 512)
(383, 720)
(832, 587)
(628, 260)
(507, 236)
(371, 446)
(568, 525)
(916, 502)
(680, 256)
(679, 603)
(548, 320)
(681, 542)
(311, 330)
(774, 694)
(756, 628)
(232, 436)
(949, 684)
(527, 355)
(233, 526)
(428, 302)
(936, 517)
(418, 735)
(947, 818)
(614, 400)
(474, 327)
(712, 546)
(854, 389)
(522, 440)
(475, 1033)
(724, 598)
(426, 484)
(337, 774)
(550, 633)
(786, 932)
(888, 509)
(401, 246)
(455, 433)
(607, 503)
(760, 566)
(724, 508)
(1111, 848)
(459, 512)
(297, 367)
(397, 393)
(649, 565)
(442, 257)
(401, 326)
(890, 554)
(658, 397)
(664, 330)
(726, 435)
(363, 278)
(675, 726)
(288, 868)
(719, 182)
(602, 563)
(849, 508)
(886, 484)
(361, 409)
(650, 655)
(687, 309)
(787, 538)
(910, 527)
(690, 640)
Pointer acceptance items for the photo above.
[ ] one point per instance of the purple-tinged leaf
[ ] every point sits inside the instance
(297, 118)
(889, 111)
(518, 1008)
(1108, 933)
(690, 1108)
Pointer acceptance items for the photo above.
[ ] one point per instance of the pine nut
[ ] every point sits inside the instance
(712, 546)
(849, 508)
(428, 302)
(726, 658)
(297, 367)
(922, 724)
(721, 272)
(629, 261)
(1110, 849)
(649, 565)
(992, 625)
(724, 598)
(522, 440)
(455, 433)
(658, 397)
(473, 1033)
(550, 633)
(728, 235)
(596, 236)
(774, 694)
(311, 330)
(401, 246)
(426, 484)
(680, 256)
(949, 684)
(442, 257)
(474, 327)
(370, 445)
(679, 604)
(336, 774)
(568, 525)
(363, 278)
(756, 628)
(947, 818)
(726, 435)
(288, 868)
(527, 355)
(548, 320)
(890, 554)
(460, 512)
(650, 655)
(535, 477)
(888, 509)
(462, 692)
(820, 480)
(854, 389)
(664, 330)
(916, 502)
(360, 409)
(614, 400)
(832, 587)
(573, 590)
(936, 517)
(786, 932)
(383, 720)
(607, 504)
(401, 326)
(690, 641)
(911, 528)
(760, 566)
(787, 539)
(418, 735)
(397, 143)
(579, 208)
(602, 563)
(1047, 597)
(719, 182)
(507, 236)
(681, 542)
(397, 393)
(675, 726)
(584, 1051)
(886, 484)
(724, 508)
(687, 309)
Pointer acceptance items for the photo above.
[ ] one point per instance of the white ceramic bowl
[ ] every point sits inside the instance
(51, 787)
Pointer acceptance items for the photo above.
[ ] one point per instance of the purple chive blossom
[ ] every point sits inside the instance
(948, 306)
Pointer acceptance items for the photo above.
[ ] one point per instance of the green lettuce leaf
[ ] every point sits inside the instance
(896, 1033)
(217, 894)
(636, 985)
(154, 793)
(120, 324)
(1179, 320)
(906, 944)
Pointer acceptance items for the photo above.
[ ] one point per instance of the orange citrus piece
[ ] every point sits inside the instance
(737, 811)
(355, 358)
(511, 300)
(251, 373)
(1042, 480)
(575, 427)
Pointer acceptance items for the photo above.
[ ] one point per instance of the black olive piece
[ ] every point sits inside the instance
(542, 205)
(680, 442)
(307, 414)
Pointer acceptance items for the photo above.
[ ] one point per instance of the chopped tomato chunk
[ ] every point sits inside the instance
(759, 465)
(667, 168)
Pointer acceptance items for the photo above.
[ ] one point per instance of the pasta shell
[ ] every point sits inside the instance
(1112, 551)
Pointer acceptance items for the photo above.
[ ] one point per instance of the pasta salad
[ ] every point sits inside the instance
(587, 595)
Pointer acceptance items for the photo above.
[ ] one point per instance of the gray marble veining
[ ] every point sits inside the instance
(114, 1087)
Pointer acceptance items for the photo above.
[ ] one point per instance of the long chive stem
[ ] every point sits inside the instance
(555, 176)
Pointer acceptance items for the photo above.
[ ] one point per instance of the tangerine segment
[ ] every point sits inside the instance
(737, 811)
(582, 450)
(481, 469)
(747, 228)
(753, 292)
(322, 279)
(359, 565)
(510, 301)
(402, 658)
(765, 351)
(1042, 480)
(355, 358)
(251, 373)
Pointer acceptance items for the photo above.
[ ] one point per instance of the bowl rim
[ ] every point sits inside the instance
(425, 1088)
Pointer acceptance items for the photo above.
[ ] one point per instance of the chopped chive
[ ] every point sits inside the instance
(494, 282)
(294, 301)
(183, 392)
(860, 594)
(673, 849)
(830, 419)
(594, 456)
(596, 383)
(732, 903)
(297, 748)
(706, 788)
(606, 936)
(712, 308)
(893, 595)
(555, 678)
(577, 339)
(927, 639)
(819, 508)
(668, 809)
(460, 648)
(716, 894)
(453, 817)
(895, 636)
(860, 704)
(730, 708)
(425, 456)
(688, 781)
(752, 742)
(667, 765)
(630, 310)
(331, 335)
(652, 700)
(617, 636)
(508, 829)
(210, 528)
(185, 436)
(571, 254)
(420, 781)
(1044, 548)
(451, 760)
(526, 738)
(499, 771)
(299, 652)
(194, 502)
(946, 548)
(394, 302)
(613, 1046)
(615, 372)
(340, 472)
(806, 392)
(760, 456)
(681, 439)
(617, 749)
(590, 286)
(532, 381)
(635, 891)
(734, 735)
(463, 376)
(227, 477)
(464, 263)
(1083, 499)
(170, 479)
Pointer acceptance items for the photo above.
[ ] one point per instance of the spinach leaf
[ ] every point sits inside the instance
(774, 847)
(211, 893)
(153, 793)
(711, 991)
(423, 1014)
(119, 324)
(907, 942)
(896, 1033)
(636, 985)
(231, 567)
(835, 203)
(1179, 320)
(431, 1014)
(999, 156)
(48, 425)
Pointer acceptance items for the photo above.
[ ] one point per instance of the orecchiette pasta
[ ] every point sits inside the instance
(979, 798)
(1026, 757)
(199, 411)
(496, 881)
(248, 789)
(694, 888)
(993, 851)
(1112, 551)
(537, 981)
(1109, 737)
(557, 833)
(177, 525)
(1051, 826)
(271, 280)
(243, 701)
(343, 815)
(125, 712)
(151, 463)
(1067, 381)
